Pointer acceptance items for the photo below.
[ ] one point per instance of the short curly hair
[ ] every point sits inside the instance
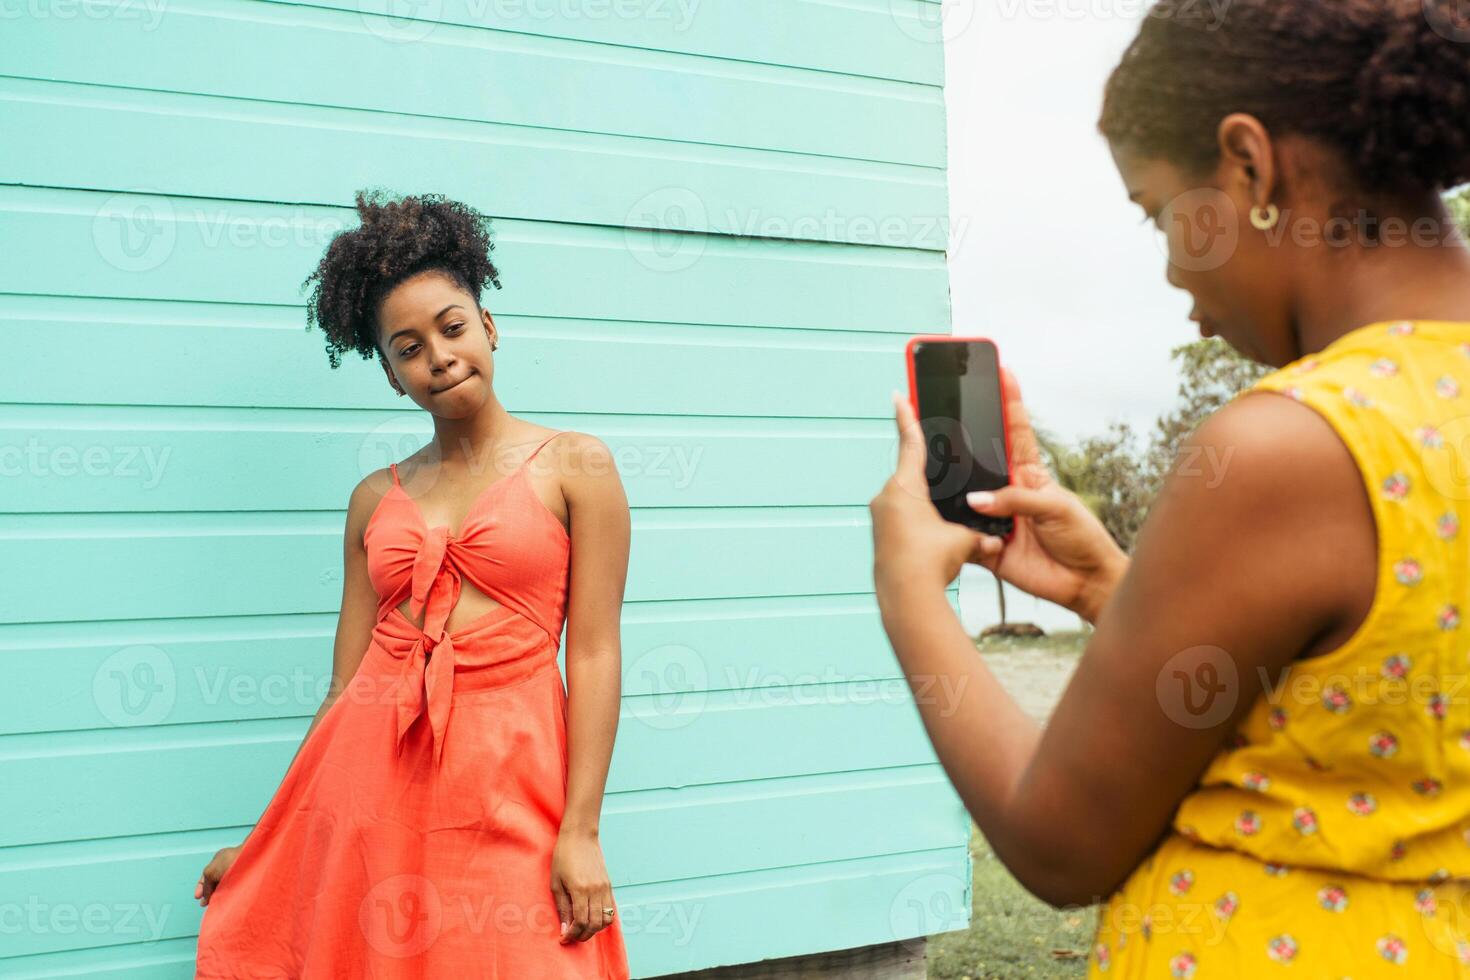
(1386, 83)
(397, 238)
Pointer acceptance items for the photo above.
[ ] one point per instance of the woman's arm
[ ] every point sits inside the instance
(355, 623)
(1243, 569)
(359, 611)
(601, 530)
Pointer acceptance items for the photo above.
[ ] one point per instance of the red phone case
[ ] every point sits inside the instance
(1005, 422)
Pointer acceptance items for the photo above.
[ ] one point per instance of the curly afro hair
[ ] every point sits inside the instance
(1386, 83)
(398, 238)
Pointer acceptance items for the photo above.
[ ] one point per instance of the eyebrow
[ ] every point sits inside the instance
(400, 333)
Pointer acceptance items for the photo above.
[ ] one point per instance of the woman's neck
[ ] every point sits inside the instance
(1383, 283)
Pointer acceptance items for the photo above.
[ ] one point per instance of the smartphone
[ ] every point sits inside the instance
(954, 386)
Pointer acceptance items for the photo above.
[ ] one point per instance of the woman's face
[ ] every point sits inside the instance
(1236, 276)
(437, 345)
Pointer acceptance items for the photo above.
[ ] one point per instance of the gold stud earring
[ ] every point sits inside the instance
(1264, 219)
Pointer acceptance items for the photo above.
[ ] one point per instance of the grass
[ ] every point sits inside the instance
(1012, 935)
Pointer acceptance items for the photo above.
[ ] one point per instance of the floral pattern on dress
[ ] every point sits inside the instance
(1384, 367)
(1337, 700)
(1427, 786)
(1383, 838)
(1393, 949)
(1408, 571)
(1430, 437)
(1333, 898)
(1396, 486)
(1424, 901)
(1438, 705)
(1282, 949)
(1383, 745)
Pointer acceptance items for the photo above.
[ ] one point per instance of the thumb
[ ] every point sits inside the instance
(913, 453)
(1017, 501)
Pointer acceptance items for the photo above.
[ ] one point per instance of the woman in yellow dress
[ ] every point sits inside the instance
(1262, 763)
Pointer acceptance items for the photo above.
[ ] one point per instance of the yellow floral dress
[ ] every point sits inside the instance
(1331, 837)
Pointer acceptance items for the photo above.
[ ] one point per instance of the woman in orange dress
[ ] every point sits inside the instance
(440, 819)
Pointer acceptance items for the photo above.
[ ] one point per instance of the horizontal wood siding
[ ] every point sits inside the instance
(716, 222)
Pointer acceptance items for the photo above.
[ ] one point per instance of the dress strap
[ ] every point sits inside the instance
(543, 442)
(394, 468)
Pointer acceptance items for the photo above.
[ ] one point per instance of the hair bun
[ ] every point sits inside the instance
(1413, 97)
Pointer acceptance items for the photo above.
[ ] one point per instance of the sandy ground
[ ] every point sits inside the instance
(1034, 677)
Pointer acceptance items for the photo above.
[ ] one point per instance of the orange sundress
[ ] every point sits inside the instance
(412, 835)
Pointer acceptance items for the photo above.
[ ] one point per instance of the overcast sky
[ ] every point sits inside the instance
(1048, 256)
(1051, 258)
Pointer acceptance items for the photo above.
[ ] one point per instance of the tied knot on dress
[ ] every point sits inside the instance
(427, 682)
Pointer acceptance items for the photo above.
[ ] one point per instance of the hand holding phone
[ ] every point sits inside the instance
(1060, 552)
(955, 389)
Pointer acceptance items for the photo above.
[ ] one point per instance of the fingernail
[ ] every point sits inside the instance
(980, 498)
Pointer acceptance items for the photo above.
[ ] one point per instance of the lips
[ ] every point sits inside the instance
(456, 384)
(1206, 328)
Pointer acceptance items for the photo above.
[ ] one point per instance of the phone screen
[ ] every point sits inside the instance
(958, 394)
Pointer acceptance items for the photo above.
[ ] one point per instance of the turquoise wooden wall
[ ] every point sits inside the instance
(717, 221)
